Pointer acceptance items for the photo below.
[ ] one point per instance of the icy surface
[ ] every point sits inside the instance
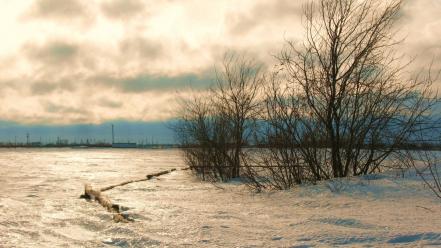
(40, 206)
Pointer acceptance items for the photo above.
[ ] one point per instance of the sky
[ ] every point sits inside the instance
(76, 62)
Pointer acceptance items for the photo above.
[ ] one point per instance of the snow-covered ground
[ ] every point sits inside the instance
(40, 206)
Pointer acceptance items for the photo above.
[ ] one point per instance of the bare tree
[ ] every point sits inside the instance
(342, 106)
(214, 129)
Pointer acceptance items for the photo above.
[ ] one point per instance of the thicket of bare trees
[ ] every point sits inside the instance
(214, 128)
(338, 105)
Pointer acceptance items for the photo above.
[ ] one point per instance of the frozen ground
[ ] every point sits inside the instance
(39, 207)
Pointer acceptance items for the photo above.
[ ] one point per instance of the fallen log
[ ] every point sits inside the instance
(122, 184)
(148, 177)
(103, 200)
(159, 174)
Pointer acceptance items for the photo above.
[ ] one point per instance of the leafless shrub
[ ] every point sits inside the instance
(279, 164)
(214, 129)
(427, 165)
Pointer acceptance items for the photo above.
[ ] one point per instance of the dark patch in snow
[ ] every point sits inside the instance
(301, 246)
(145, 242)
(437, 244)
(314, 204)
(104, 217)
(139, 217)
(237, 181)
(122, 208)
(305, 222)
(121, 242)
(121, 230)
(88, 224)
(336, 186)
(145, 189)
(116, 242)
(351, 223)
(355, 240)
(304, 239)
(415, 237)
(372, 177)
(223, 215)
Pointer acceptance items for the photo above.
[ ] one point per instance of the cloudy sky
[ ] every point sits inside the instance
(88, 62)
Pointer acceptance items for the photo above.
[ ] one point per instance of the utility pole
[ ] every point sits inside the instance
(113, 135)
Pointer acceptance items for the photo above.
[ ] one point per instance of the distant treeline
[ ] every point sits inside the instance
(85, 145)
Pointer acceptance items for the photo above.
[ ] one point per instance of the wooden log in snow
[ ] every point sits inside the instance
(100, 198)
(159, 174)
(148, 177)
(103, 200)
(122, 184)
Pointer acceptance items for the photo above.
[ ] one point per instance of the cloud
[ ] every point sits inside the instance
(420, 24)
(145, 82)
(42, 88)
(267, 11)
(56, 108)
(140, 48)
(122, 9)
(45, 88)
(57, 60)
(134, 55)
(65, 10)
(53, 52)
(108, 103)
